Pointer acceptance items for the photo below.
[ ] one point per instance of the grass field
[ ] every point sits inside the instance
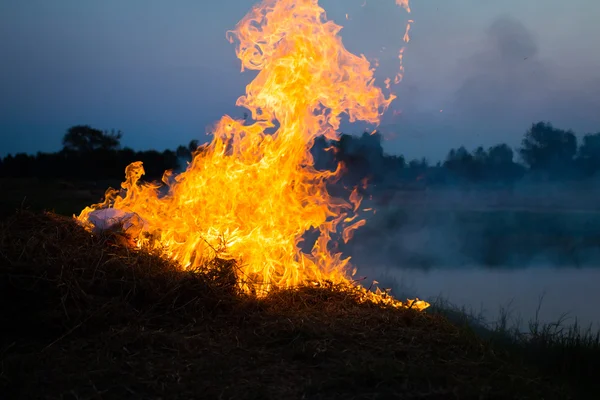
(85, 317)
(88, 317)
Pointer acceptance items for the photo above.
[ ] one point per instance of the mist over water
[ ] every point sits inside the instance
(484, 254)
(482, 228)
(570, 294)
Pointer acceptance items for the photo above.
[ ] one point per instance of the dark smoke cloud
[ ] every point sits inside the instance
(506, 75)
(511, 39)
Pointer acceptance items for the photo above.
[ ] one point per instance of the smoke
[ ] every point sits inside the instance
(451, 246)
(449, 227)
(504, 77)
(511, 40)
(510, 81)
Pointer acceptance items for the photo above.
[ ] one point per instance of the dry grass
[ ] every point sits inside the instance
(85, 317)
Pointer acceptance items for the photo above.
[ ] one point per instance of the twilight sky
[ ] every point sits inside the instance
(163, 72)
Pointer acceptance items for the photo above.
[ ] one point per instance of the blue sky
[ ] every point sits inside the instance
(163, 72)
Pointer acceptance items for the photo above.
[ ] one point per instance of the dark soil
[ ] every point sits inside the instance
(87, 317)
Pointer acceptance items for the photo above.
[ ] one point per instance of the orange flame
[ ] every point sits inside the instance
(404, 4)
(250, 195)
(406, 38)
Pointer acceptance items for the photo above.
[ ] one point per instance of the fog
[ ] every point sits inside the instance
(545, 293)
(484, 258)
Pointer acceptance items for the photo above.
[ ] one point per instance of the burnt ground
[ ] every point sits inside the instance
(86, 317)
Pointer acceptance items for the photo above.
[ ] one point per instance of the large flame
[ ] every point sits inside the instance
(251, 195)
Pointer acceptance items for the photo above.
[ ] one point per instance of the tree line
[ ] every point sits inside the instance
(546, 153)
(92, 154)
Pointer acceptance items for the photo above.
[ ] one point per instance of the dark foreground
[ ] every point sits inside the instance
(85, 317)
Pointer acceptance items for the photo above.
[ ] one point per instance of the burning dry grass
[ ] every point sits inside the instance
(85, 317)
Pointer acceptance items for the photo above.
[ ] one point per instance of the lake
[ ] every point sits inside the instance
(484, 258)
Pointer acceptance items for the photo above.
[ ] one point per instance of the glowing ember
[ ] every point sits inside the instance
(250, 195)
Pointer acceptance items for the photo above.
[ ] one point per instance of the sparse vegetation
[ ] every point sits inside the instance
(560, 349)
(87, 317)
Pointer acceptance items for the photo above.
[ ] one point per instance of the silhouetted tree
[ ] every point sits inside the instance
(89, 153)
(500, 165)
(183, 152)
(416, 171)
(84, 139)
(193, 145)
(480, 156)
(549, 150)
(393, 170)
(500, 155)
(589, 154)
(419, 165)
(324, 154)
(461, 164)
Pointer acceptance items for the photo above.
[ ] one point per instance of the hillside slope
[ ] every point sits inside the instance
(86, 317)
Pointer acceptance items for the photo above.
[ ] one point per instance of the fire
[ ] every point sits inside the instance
(250, 195)
(404, 4)
(406, 38)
